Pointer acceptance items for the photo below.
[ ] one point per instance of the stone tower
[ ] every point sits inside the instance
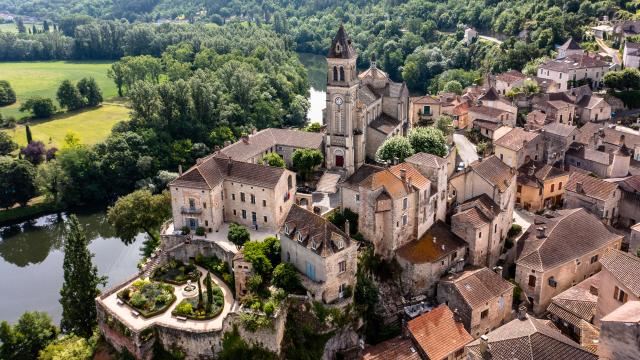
(342, 86)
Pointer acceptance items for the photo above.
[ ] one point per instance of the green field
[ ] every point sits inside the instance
(92, 125)
(13, 28)
(43, 78)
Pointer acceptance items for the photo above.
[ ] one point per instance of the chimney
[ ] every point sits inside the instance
(579, 188)
(542, 232)
(484, 346)
(522, 313)
(622, 139)
(403, 174)
(347, 228)
(229, 164)
(227, 143)
(409, 183)
(254, 131)
(180, 170)
(199, 161)
(245, 139)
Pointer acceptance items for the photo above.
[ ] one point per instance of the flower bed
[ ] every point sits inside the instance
(176, 273)
(217, 267)
(148, 298)
(189, 307)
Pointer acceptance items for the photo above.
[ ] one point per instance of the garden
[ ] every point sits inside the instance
(203, 306)
(217, 267)
(176, 273)
(147, 297)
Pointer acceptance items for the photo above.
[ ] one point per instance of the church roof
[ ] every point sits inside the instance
(341, 47)
(570, 45)
(384, 124)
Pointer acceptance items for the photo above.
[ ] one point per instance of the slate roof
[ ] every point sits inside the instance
(425, 159)
(425, 250)
(437, 333)
(267, 139)
(570, 45)
(363, 172)
(624, 267)
(314, 232)
(569, 235)
(478, 286)
(384, 124)
(516, 139)
(397, 348)
(529, 339)
(347, 51)
(559, 129)
(591, 186)
(574, 62)
(494, 171)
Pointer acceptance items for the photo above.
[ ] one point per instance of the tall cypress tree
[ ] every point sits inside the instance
(209, 285)
(29, 137)
(81, 281)
(200, 301)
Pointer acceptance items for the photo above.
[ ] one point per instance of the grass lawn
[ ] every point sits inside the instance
(92, 125)
(43, 78)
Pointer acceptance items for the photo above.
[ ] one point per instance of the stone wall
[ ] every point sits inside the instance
(197, 246)
(341, 340)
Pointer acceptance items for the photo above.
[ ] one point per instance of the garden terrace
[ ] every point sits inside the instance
(148, 298)
(176, 273)
(188, 307)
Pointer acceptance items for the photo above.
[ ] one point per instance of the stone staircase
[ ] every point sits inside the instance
(158, 258)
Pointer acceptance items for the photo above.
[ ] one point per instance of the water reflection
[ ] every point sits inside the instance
(317, 70)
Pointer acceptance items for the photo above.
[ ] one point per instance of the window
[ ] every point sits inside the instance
(620, 295)
(342, 266)
(405, 203)
(553, 186)
(253, 199)
(495, 228)
(264, 203)
(244, 214)
(341, 73)
(342, 289)
(357, 197)
(234, 212)
(242, 196)
(532, 281)
(233, 197)
(335, 73)
(204, 205)
(560, 185)
(594, 258)
(192, 204)
(501, 157)
(265, 219)
(426, 110)
(404, 219)
(484, 314)
(479, 234)
(519, 188)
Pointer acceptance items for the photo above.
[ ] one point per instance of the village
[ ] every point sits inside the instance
(521, 240)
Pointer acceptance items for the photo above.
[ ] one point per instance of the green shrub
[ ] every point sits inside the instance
(200, 231)
(185, 230)
(184, 308)
(286, 277)
(138, 300)
(269, 307)
(238, 234)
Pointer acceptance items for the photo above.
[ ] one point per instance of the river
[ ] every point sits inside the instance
(317, 69)
(31, 256)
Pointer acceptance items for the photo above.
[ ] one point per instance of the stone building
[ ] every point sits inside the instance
(251, 148)
(597, 196)
(540, 186)
(220, 190)
(611, 136)
(424, 110)
(438, 335)
(396, 348)
(575, 69)
(634, 239)
(362, 110)
(570, 47)
(604, 161)
(425, 260)
(560, 111)
(619, 333)
(508, 80)
(480, 297)
(350, 188)
(557, 140)
(436, 169)
(619, 282)
(242, 271)
(519, 146)
(629, 206)
(325, 255)
(631, 55)
(526, 338)
(558, 252)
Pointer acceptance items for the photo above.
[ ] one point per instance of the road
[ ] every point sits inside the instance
(490, 38)
(466, 150)
(612, 52)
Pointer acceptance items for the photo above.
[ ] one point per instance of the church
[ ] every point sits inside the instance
(362, 110)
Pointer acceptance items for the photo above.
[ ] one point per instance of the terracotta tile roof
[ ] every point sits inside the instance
(487, 124)
(611, 135)
(397, 348)
(417, 179)
(490, 95)
(425, 159)
(314, 232)
(559, 129)
(631, 184)
(529, 339)
(511, 76)
(569, 235)
(516, 139)
(479, 286)
(384, 124)
(267, 139)
(472, 216)
(625, 268)
(589, 102)
(387, 180)
(425, 250)
(494, 171)
(363, 172)
(437, 333)
(574, 62)
(591, 186)
(558, 104)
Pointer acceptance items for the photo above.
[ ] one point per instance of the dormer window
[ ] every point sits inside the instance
(314, 245)
(300, 238)
(338, 48)
(340, 244)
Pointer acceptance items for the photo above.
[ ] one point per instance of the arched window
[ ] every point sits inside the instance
(335, 73)
(290, 182)
(341, 73)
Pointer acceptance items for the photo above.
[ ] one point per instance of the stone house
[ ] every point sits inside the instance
(634, 239)
(350, 188)
(558, 252)
(535, 120)
(242, 271)
(428, 331)
(220, 190)
(325, 256)
(570, 47)
(480, 297)
(605, 161)
(619, 282)
(436, 169)
(557, 111)
(251, 148)
(492, 99)
(557, 139)
(540, 186)
(592, 108)
(490, 129)
(631, 55)
(508, 80)
(526, 338)
(619, 333)
(457, 107)
(597, 196)
(424, 110)
(574, 69)
(470, 35)
(519, 146)
(595, 135)
(491, 114)
(629, 206)
(483, 221)
(425, 260)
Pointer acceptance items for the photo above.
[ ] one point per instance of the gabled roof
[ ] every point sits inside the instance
(625, 268)
(478, 286)
(426, 99)
(574, 62)
(591, 186)
(541, 173)
(417, 179)
(437, 333)
(267, 139)
(559, 129)
(577, 304)
(346, 50)
(390, 179)
(529, 339)
(360, 175)
(436, 243)
(629, 312)
(490, 112)
(426, 159)
(570, 45)
(490, 95)
(511, 76)
(516, 139)
(493, 170)
(631, 184)
(568, 236)
(314, 232)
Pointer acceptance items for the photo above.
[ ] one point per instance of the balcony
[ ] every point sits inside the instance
(191, 210)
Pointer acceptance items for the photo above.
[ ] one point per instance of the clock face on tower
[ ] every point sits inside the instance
(339, 101)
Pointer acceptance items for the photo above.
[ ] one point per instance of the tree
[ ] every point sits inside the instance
(68, 96)
(7, 146)
(137, 212)
(81, 281)
(271, 247)
(428, 140)
(89, 91)
(286, 276)
(394, 149)
(117, 73)
(20, 25)
(17, 181)
(626, 79)
(445, 124)
(50, 179)
(453, 86)
(238, 234)
(24, 340)
(313, 127)
(220, 135)
(7, 95)
(29, 136)
(45, 26)
(34, 152)
(208, 283)
(71, 140)
(273, 160)
(306, 160)
(69, 347)
(254, 252)
(39, 106)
